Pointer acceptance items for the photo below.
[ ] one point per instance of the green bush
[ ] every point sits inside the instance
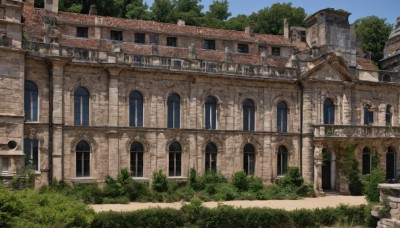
(292, 178)
(239, 180)
(160, 182)
(10, 207)
(88, 193)
(195, 215)
(371, 182)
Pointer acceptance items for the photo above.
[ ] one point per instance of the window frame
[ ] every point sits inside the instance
(282, 117)
(249, 159)
(83, 102)
(329, 112)
(31, 102)
(136, 159)
(82, 32)
(136, 112)
(116, 35)
(174, 111)
(85, 156)
(368, 116)
(249, 114)
(243, 48)
(210, 113)
(172, 41)
(209, 44)
(175, 160)
(388, 115)
(282, 161)
(276, 51)
(32, 153)
(139, 38)
(211, 157)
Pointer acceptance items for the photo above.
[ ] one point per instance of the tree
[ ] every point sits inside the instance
(374, 32)
(187, 10)
(237, 23)
(161, 10)
(137, 10)
(219, 9)
(270, 20)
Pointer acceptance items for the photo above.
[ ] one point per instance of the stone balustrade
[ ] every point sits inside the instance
(352, 131)
(160, 62)
(389, 210)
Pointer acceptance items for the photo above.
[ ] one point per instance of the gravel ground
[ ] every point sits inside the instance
(306, 203)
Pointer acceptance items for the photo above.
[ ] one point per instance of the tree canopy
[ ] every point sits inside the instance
(374, 32)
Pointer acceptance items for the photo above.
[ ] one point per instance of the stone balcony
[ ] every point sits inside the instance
(354, 131)
(160, 62)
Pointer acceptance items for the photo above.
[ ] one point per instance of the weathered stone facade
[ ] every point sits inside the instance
(234, 67)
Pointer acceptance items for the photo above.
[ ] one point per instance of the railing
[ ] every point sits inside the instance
(351, 131)
(160, 62)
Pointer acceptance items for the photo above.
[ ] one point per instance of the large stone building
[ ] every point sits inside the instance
(83, 96)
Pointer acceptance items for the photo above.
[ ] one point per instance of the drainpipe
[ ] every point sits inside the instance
(301, 128)
(50, 144)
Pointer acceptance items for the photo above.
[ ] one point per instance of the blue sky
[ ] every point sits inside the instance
(389, 9)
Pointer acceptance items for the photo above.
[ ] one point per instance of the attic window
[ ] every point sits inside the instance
(82, 32)
(115, 35)
(209, 44)
(171, 41)
(386, 78)
(303, 36)
(276, 51)
(243, 48)
(140, 38)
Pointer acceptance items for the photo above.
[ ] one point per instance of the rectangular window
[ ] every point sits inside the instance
(31, 151)
(82, 32)
(243, 48)
(171, 41)
(209, 44)
(4, 165)
(116, 35)
(303, 36)
(276, 51)
(261, 49)
(140, 38)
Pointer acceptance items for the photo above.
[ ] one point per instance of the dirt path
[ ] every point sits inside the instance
(307, 203)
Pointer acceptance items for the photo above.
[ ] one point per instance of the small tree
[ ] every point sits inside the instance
(371, 182)
(239, 180)
(160, 182)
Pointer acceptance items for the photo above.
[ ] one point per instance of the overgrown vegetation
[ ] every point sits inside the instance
(195, 215)
(211, 186)
(33, 208)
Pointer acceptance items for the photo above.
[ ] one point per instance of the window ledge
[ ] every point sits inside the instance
(178, 178)
(83, 180)
(140, 178)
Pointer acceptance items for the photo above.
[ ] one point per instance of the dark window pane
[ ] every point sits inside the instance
(329, 112)
(175, 151)
(82, 159)
(27, 151)
(249, 159)
(282, 111)
(390, 164)
(211, 157)
(368, 115)
(116, 35)
(388, 115)
(82, 32)
(276, 51)
(243, 48)
(136, 109)
(282, 161)
(30, 101)
(81, 107)
(173, 111)
(248, 115)
(140, 38)
(171, 41)
(136, 160)
(366, 161)
(209, 44)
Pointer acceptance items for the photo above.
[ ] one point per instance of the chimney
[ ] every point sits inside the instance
(286, 28)
(398, 22)
(51, 5)
(249, 30)
(181, 22)
(93, 10)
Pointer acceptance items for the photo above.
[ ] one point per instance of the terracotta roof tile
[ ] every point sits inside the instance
(365, 64)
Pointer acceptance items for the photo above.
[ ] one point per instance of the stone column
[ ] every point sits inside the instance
(318, 161)
(333, 170)
(58, 106)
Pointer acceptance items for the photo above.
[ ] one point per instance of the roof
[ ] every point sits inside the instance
(329, 10)
(365, 64)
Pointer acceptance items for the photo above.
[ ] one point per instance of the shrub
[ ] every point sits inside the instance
(224, 191)
(371, 182)
(160, 182)
(255, 184)
(88, 193)
(292, 178)
(239, 180)
(138, 190)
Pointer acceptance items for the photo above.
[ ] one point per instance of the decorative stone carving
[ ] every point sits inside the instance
(192, 51)
(228, 55)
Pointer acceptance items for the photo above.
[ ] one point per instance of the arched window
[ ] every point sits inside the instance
(136, 109)
(30, 101)
(174, 111)
(388, 115)
(136, 159)
(282, 160)
(81, 107)
(82, 159)
(366, 161)
(368, 115)
(282, 116)
(211, 157)
(390, 164)
(175, 159)
(31, 151)
(248, 115)
(329, 112)
(211, 113)
(249, 159)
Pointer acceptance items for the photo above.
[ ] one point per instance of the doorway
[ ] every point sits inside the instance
(326, 170)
